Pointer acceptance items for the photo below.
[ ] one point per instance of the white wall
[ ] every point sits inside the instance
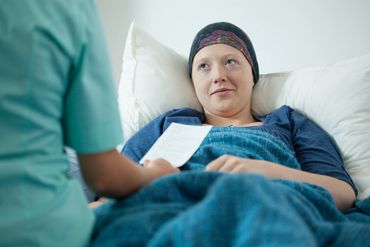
(287, 34)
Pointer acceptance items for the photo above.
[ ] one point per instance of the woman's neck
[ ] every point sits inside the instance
(239, 119)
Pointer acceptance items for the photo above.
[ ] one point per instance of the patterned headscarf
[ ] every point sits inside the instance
(229, 34)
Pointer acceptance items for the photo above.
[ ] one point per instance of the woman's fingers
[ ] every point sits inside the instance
(216, 164)
(228, 163)
(224, 163)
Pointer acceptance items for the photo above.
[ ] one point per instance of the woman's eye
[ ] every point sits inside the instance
(203, 67)
(230, 61)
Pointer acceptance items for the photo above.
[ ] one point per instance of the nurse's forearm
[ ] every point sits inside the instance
(112, 175)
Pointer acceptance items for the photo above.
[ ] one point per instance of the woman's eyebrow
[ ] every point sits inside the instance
(223, 56)
(201, 60)
(233, 54)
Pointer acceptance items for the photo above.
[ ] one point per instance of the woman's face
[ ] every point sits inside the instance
(223, 80)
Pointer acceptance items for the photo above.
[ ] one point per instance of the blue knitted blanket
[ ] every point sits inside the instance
(215, 209)
(252, 143)
(196, 208)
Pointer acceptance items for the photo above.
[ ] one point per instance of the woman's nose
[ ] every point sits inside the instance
(219, 74)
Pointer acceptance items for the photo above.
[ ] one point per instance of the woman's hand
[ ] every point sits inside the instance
(341, 191)
(232, 164)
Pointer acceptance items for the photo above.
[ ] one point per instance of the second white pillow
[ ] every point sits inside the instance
(154, 79)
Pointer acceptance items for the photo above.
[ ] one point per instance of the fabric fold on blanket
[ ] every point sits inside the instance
(218, 209)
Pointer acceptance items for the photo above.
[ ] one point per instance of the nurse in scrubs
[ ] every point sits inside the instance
(56, 90)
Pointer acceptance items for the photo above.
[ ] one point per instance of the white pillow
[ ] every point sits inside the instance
(337, 98)
(155, 79)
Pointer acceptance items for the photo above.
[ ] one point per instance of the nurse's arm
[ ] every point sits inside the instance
(110, 174)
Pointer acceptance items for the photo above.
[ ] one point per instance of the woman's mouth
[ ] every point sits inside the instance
(221, 91)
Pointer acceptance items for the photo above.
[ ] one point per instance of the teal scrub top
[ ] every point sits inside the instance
(56, 90)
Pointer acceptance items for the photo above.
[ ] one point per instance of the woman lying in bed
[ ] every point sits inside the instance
(287, 187)
(284, 144)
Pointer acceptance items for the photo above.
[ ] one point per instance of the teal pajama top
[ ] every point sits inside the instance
(56, 90)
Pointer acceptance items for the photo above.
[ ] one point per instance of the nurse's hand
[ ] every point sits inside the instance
(158, 167)
(113, 175)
